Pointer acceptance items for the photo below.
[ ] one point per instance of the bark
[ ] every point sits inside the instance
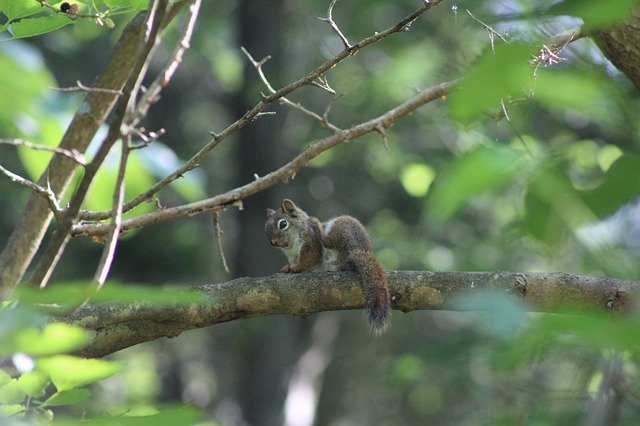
(28, 233)
(621, 45)
(116, 327)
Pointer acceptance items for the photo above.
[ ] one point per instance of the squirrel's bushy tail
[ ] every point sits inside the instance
(376, 290)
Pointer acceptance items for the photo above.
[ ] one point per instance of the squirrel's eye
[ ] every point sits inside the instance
(283, 224)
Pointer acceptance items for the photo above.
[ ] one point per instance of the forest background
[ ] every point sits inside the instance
(530, 167)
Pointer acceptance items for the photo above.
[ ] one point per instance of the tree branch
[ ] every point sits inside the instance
(116, 327)
(252, 114)
(285, 172)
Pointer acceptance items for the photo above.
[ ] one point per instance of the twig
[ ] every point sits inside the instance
(61, 236)
(323, 84)
(152, 94)
(83, 88)
(106, 260)
(333, 25)
(283, 173)
(489, 29)
(284, 100)
(307, 80)
(218, 231)
(71, 154)
(47, 193)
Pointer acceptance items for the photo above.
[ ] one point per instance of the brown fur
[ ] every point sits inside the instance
(344, 239)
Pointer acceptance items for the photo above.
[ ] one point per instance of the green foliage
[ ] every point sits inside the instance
(52, 339)
(484, 168)
(68, 372)
(595, 13)
(27, 18)
(68, 296)
(499, 74)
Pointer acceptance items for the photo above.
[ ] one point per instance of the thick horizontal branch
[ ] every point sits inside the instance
(116, 327)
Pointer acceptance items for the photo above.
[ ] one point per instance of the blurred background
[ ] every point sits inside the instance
(430, 367)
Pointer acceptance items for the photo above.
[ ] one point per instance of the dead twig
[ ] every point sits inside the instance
(73, 154)
(334, 26)
(47, 193)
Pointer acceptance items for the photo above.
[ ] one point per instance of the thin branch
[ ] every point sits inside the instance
(283, 173)
(218, 231)
(489, 29)
(334, 26)
(47, 193)
(109, 250)
(152, 94)
(284, 100)
(117, 326)
(61, 236)
(309, 79)
(82, 88)
(73, 154)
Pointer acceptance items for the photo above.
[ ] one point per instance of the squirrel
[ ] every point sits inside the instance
(339, 244)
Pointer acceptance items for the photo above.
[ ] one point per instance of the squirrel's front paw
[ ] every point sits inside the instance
(286, 269)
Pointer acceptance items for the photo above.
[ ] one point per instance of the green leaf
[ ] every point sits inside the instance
(416, 179)
(184, 415)
(138, 179)
(160, 160)
(137, 5)
(596, 13)
(553, 207)
(53, 339)
(67, 397)
(9, 410)
(571, 89)
(33, 383)
(620, 185)
(29, 27)
(74, 293)
(4, 378)
(10, 393)
(476, 171)
(17, 8)
(497, 75)
(69, 372)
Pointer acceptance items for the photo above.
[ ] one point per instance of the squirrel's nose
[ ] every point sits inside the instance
(272, 242)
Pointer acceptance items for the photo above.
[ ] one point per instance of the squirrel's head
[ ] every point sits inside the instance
(283, 224)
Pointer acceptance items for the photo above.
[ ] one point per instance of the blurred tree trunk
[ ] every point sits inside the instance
(621, 45)
(262, 392)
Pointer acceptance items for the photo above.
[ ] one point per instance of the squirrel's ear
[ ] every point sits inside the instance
(289, 207)
(270, 212)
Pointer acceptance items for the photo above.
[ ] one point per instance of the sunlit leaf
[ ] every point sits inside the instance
(67, 397)
(137, 180)
(10, 393)
(596, 13)
(184, 415)
(29, 27)
(69, 372)
(571, 89)
(10, 410)
(416, 178)
(54, 338)
(70, 294)
(32, 383)
(496, 76)
(17, 8)
(4, 378)
(479, 170)
(161, 161)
